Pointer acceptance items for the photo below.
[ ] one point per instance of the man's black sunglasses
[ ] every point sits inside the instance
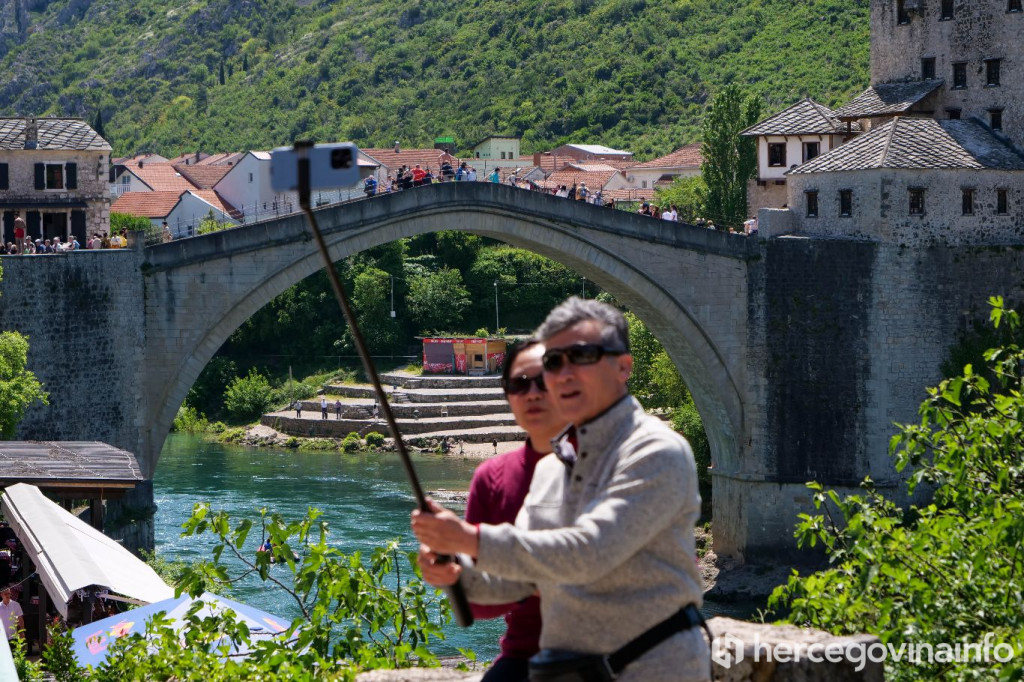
(521, 384)
(583, 354)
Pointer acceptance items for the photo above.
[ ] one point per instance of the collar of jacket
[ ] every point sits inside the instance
(598, 429)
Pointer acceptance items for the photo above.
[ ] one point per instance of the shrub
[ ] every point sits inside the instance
(292, 442)
(321, 444)
(248, 397)
(482, 333)
(686, 420)
(374, 440)
(232, 435)
(352, 442)
(190, 420)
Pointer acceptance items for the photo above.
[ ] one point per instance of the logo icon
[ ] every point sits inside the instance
(727, 651)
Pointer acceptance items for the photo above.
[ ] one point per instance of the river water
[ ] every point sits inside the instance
(364, 498)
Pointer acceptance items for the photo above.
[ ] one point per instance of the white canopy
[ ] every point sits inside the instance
(71, 555)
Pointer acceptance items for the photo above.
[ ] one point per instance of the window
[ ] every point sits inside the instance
(916, 196)
(126, 179)
(250, 177)
(902, 15)
(992, 72)
(995, 119)
(1002, 201)
(960, 75)
(1014, 6)
(4, 182)
(953, 114)
(947, 10)
(967, 202)
(845, 202)
(812, 204)
(811, 149)
(54, 176)
(927, 68)
(776, 153)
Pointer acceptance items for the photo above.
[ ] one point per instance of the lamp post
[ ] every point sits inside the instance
(497, 324)
(392, 295)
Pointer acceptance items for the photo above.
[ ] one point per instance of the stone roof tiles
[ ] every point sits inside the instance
(806, 117)
(919, 143)
(52, 133)
(887, 99)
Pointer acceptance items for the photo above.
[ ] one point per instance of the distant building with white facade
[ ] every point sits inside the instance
(591, 152)
(497, 147)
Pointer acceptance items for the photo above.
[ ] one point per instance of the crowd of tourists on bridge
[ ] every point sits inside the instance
(454, 170)
(24, 245)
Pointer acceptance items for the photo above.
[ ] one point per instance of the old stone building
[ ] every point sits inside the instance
(942, 158)
(54, 172)
(791, 137)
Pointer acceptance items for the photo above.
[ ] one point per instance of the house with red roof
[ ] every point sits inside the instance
(183, 211)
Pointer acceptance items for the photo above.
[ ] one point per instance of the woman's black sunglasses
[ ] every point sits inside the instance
(520, 385)
(583, 354)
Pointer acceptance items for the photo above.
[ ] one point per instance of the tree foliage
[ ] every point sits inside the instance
(688, 195)
(19, 387)
(248, 397)
(729, 159)
(356, 613)
(632, 74)
(438, 300)
(948, 571)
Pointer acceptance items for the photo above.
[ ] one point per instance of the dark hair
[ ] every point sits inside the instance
(614, 329)
(510, 358)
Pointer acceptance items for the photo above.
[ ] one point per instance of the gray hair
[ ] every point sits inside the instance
(614, 331)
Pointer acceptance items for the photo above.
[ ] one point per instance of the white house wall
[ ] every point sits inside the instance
(190, 210)
(794, 153)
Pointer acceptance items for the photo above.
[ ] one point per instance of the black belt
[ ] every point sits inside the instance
(683, 619)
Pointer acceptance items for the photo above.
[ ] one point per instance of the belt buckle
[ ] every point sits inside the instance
(608, 667)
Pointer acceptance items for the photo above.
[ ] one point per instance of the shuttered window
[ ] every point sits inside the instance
(4, 180)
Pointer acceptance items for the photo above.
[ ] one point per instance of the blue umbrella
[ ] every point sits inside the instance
(93, 640)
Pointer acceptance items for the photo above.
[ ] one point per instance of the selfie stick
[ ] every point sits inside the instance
(456, 594)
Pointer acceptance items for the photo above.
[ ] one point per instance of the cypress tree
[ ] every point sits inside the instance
(729, 159)
(98, 125)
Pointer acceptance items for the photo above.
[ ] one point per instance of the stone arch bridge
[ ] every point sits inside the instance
(799, 352)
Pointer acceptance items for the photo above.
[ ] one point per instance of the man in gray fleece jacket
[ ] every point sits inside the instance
(606, 532)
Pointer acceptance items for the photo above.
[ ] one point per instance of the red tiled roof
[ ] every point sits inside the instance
(211, 197)
(684, 157)
(129, 160)
(188, 159)
(223, 159)
(630, 194)
(203, 177)
(161, 177)
(428, 159)
(595, 179)
(146, 204)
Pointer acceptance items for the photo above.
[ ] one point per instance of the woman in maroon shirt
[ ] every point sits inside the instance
(497, 492)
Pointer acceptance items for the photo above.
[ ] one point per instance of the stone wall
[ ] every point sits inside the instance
(770, 195)
(979, 30)
(881, 206)
(83, 313)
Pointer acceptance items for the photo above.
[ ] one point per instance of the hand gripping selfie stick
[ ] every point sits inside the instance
(456, 594)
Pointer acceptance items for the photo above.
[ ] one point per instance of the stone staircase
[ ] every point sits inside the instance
(470, 409)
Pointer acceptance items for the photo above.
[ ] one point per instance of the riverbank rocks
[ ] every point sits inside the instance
(741, 655)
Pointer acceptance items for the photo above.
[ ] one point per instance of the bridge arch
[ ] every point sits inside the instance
(200, 290)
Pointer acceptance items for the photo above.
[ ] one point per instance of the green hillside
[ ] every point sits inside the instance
(237, 74)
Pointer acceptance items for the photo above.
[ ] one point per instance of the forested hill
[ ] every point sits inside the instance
(222, 75)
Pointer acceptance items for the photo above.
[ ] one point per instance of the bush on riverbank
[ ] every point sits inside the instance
(248, 397)
(191, 421)
(947, 572)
